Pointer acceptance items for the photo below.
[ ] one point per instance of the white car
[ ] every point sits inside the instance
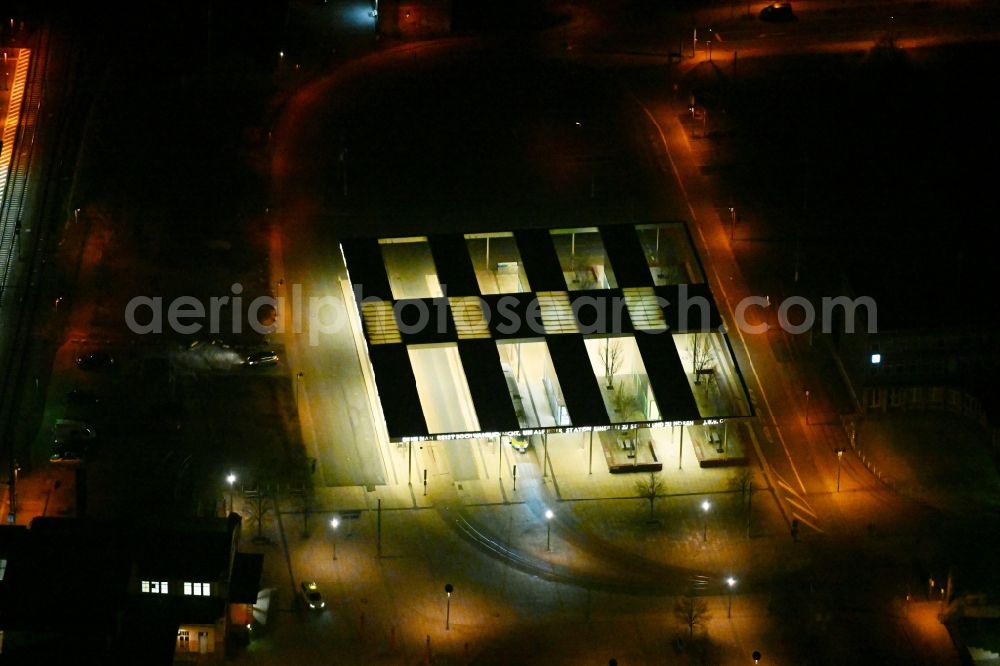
(519, 443)
(312, 596)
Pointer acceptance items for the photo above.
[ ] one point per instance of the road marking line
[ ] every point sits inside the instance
(803, 520)
(793, 501)
(721, 286)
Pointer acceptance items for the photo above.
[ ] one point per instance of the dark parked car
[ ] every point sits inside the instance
(95, 360)
(67, 455)
(262, 358)
(778, 11)
(70, 430)
(71, 440)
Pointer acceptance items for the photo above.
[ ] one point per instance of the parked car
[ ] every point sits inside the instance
(67, 455)
(777, 11)
(519, 443)
(67, 431)
(71, 441)
(95, 360)
(262, 358)
(312, 596)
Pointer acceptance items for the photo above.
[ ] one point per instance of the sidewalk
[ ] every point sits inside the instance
(382, 610)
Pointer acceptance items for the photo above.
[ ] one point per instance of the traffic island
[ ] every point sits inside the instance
(628, 451)
(720, 445)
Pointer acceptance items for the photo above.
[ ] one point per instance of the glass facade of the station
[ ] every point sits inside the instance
(537, 330)
(582, 259)
(497, 262)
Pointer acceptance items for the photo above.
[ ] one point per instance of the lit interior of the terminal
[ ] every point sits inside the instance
(542, 331)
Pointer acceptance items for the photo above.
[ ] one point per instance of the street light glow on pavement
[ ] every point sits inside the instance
(334, 523)
(705, 506)
(230, 479)
(731, 582)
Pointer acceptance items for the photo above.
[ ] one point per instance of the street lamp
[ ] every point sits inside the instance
(548, 529)
(231, 479)
(807, 406)
(731, 582)
(448, 589)
(840, 456)
(705, 506)
(732, 223)
(334, 524)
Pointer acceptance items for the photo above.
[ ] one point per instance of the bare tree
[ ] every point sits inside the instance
(625, 403)
(691, 611)
(701, 356)
(258, 502)
(651, 488)
(628, 408)
(740, 482)
(303, 500)
(610, 353)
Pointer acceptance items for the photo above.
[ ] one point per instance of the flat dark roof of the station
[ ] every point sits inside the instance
(453, 264)
(579, 385)
(484, 372)
(366, 268)
(397, 390)
(625, 253)
(541, 262)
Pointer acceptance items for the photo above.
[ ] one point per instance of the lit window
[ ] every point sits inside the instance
(198, 589)
(3, 568)
(876, 358)
(154, 587)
